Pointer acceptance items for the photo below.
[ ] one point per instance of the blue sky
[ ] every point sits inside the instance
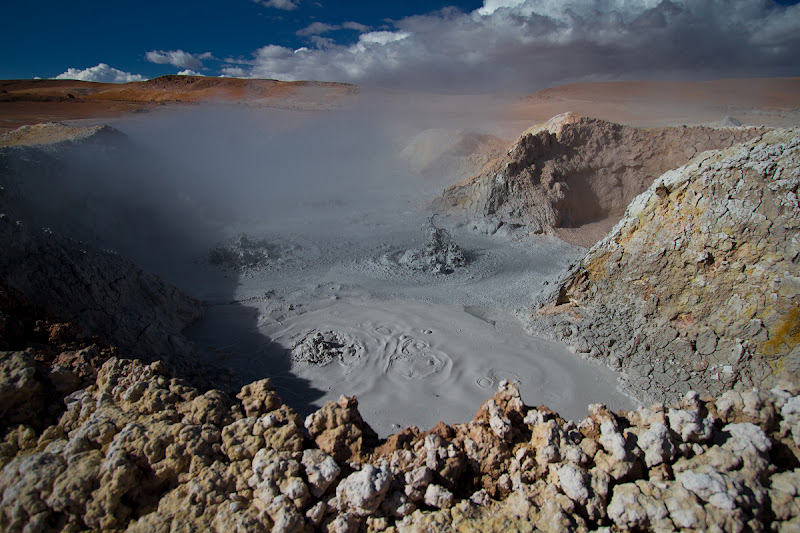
(467, 46)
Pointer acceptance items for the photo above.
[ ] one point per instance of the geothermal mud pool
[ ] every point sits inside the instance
(354, 316)
(328, 275)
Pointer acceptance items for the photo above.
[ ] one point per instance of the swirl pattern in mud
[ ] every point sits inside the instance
(415, 363)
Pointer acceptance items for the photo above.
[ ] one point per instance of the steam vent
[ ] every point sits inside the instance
(272, 314)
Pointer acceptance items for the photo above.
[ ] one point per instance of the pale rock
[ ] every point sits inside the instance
(634, 506)
(573, 481)
(784, 495)
(709, 486)
(417, 482)
(684, 511)
(612, 441)
(747, 438)
(690, 425)
(500, 424)
(480, 498)
(321, 470)
(398, 504)
(657, 445)
(316, 512)
(438, 496)
(345, 523)
(362, 492)
(791, 418)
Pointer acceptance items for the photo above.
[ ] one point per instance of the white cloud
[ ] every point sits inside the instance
(524, 45)
(355, 26)
(287, 5)
(383, 37)
(490, 6)
(178, 58)
(234, 72)
(188, 72)
(101, 73)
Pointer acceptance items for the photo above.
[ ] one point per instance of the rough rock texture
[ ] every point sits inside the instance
(128, 447)
(439, 256)
(51, 133)
(105, 293)
(123, 445)
(698, 286)
(573, 170)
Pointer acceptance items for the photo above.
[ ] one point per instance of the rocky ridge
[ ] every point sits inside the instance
(574, 170)
(125, 445)
(698, 286)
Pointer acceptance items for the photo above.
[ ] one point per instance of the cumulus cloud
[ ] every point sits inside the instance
(188, 72)
(178, 58)
(524, 45)
(286, 5)
(101, 73)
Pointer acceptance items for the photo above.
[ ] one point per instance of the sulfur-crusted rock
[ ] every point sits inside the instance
(695, 289)
(321, 470)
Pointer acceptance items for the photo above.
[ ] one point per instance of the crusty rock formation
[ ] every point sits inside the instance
(573, 170)
(440, 255)
(133, 448)
(56, 133)
(698, 286)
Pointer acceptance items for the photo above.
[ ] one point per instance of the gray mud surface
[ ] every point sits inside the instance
(342, 315)
(308, 241)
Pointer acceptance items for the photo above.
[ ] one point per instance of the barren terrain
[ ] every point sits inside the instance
(238, 309)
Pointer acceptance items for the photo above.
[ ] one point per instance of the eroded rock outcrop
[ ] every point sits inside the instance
(698, 286)
(573, 170)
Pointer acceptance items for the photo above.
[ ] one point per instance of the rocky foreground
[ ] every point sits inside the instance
(96, 441)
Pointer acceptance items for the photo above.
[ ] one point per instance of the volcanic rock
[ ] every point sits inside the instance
(696, 287)
(574, 170)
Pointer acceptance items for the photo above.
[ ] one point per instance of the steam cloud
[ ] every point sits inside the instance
(520, 46)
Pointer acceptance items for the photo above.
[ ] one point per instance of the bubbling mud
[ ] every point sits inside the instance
(418, 363)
